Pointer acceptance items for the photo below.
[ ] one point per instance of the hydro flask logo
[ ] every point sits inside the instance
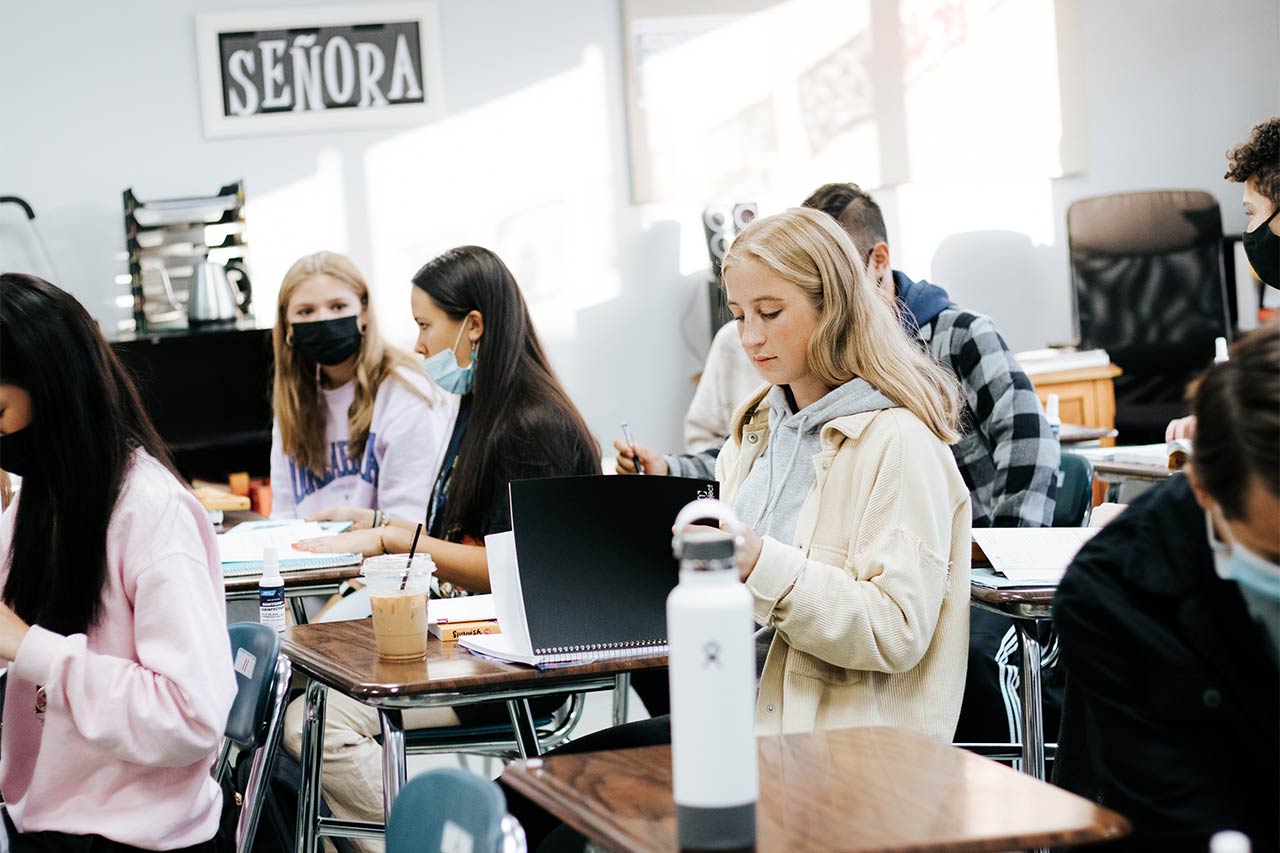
(711, 655)
(707, 493)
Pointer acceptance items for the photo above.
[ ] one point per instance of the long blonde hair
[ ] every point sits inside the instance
(859, 333)
(296, 389)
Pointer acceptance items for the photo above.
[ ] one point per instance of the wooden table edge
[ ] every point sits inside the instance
(587, 817)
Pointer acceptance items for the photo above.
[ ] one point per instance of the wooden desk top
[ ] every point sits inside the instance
(1076, 434)
(864, 789)
(1130, 470)
(1039, 596)
(343, 656)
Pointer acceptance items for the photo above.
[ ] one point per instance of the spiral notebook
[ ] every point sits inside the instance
(585, 572)
(241, 547)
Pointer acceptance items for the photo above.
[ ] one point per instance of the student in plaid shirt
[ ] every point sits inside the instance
(1007, 455)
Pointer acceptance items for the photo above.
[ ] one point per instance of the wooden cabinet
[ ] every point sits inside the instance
(1085, 397)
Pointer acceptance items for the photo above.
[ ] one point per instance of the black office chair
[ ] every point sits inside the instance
(1150, 289)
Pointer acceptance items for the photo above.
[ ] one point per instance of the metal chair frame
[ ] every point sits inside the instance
(263, 758)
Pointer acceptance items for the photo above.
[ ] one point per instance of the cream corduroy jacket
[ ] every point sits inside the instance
(871, 600)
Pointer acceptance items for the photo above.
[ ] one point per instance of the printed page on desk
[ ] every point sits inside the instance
(594, 557)
(241, 548)
(1034, 555)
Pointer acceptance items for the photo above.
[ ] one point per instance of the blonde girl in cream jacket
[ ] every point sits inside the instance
(859, 547)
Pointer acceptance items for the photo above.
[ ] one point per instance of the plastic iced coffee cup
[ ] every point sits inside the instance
(399, 615)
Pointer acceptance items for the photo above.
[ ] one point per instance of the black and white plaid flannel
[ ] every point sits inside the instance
(1008, 455)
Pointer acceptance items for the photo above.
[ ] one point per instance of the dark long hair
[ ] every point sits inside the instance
(521, 417)
(1237, 409)
(87, 420)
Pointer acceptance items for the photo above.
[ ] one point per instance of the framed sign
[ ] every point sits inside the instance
(322, 68)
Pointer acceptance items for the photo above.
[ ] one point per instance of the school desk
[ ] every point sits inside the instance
(857, 790)
(341, 656)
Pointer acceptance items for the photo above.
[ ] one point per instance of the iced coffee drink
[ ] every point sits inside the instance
(399, 602)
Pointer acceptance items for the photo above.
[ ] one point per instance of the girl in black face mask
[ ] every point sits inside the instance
(357, 423)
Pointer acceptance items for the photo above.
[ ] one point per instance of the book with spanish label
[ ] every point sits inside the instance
(451, 631)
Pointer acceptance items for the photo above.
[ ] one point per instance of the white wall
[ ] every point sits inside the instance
(532, 162)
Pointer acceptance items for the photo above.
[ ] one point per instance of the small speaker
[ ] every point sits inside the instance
(744, 213)
(717, 225)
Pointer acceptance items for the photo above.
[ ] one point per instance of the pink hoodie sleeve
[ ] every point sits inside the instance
(169, 708)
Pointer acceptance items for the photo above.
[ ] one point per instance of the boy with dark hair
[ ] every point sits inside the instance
(1170, 622)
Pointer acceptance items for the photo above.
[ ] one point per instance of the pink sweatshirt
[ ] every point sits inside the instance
(134, 710)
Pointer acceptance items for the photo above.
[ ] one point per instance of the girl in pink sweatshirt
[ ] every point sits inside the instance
(111, 600)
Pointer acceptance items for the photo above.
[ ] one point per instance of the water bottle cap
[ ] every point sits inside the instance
(709, 545)
(1229, 841)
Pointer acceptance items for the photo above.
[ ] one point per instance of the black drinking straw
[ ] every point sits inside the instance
(412, 550)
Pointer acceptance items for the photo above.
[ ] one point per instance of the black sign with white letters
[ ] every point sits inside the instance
(313, 69)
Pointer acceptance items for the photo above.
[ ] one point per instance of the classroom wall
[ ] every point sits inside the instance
(532, 161)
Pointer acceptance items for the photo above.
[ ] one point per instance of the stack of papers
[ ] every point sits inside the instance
(241, 549)
(1028, 556)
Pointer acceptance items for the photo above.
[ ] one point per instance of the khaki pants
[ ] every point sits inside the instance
(352, 776)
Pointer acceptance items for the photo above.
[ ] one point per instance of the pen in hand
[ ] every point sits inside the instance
(626, 433)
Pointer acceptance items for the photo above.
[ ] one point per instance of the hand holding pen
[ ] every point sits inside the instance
(634, 458)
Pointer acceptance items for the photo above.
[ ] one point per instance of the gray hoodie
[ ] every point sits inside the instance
(770, 498)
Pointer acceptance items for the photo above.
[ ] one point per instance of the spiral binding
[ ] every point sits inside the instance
(602, 651)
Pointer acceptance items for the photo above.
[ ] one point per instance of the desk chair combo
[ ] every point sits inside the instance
(495, 740)
(257, 718)
(1072, 507)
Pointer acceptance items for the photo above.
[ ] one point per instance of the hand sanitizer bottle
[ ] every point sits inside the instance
(710, 632)
(1051, 415)
(271, 591)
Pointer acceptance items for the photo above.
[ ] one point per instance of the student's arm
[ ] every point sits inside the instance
(1009, 416)
(168, 709)
(886, 622)
(699, 465)
(282, 503)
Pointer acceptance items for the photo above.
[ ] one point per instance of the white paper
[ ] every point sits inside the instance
(466, 608)
(246, 546)
(1032, 554)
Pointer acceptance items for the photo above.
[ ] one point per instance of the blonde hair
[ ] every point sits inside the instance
(860, 333)
(296, 389)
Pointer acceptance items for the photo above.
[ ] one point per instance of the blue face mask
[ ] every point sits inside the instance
(444, 370)
(1237, 563)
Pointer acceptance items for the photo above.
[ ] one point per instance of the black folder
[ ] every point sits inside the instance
(595, 562)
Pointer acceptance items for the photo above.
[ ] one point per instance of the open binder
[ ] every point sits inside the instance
(585, 573)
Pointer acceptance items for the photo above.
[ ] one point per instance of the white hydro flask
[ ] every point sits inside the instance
(710, 632)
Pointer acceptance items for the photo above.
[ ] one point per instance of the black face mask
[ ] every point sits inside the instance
(18, 453)
(328, 342)
(1262, 247)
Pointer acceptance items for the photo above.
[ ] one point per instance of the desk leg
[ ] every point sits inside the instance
(394, 769)
(312, 755)
(621, 691)
(299, 610)
(522, 722)
(1032, 710)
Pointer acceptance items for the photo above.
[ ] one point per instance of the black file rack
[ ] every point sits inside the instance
(178, 233)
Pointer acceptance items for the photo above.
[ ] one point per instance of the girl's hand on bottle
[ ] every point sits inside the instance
(748, 551)
(366, 542)
(360, 518)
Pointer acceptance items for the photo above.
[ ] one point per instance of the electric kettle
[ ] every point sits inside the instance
(212, 298)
